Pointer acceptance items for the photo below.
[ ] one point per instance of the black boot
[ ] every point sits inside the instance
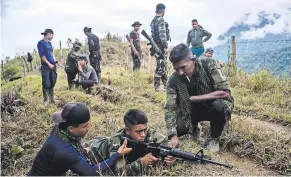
(51, 95)
(45, 93)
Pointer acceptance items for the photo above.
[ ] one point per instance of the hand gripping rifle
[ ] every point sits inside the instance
(155, 47)
(158, 150)
(132, 46)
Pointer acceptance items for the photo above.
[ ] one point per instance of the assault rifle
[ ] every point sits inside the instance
(155, 48)
(132, 46)
(158, 150)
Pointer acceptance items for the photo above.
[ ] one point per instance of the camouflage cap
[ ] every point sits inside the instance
(77, 44)
(209, 50)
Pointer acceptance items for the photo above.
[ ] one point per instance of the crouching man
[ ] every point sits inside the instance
(63, 151)
(88, 76)
(196, 91)
(134, 163)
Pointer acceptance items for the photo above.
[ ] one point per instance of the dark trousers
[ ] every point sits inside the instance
(70, 77)
(95, 59)
(213, 111)
(49, 79)
(136, 61)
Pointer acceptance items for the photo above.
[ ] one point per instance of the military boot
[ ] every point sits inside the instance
(157, 83)
(99, 77)
(212, 144)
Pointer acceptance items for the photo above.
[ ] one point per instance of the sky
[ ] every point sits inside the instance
(22, 21)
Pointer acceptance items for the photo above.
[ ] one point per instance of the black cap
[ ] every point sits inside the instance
(136, 23)
(47, 31)
(72, 113)
(83, 57)
(86, 29)
(160, 7)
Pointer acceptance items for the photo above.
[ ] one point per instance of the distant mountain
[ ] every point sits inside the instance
(273, 52)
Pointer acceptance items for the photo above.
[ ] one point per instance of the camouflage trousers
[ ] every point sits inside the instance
(136, 61)
(95, 63)
(161, 72)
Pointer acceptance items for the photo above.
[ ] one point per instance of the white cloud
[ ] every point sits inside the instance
(24, 20)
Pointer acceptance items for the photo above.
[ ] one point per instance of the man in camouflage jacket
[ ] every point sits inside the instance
(136, 162)
(136, 55)
(159, 34)
(196, 91)
(71, 67)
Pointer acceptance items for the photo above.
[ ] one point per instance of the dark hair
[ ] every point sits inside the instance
(135, 117)
(194, 20)
(179, 52)
(65, 125)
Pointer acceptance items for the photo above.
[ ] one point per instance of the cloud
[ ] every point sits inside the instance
(24, 20)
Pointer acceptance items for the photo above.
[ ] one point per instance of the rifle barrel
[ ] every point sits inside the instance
(192, 157)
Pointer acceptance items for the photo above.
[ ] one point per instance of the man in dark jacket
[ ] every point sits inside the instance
(63, 151)
(94, 49)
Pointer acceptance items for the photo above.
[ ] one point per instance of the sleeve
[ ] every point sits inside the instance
(80, 166)
(98, 43)
(93, 75)
(188, 38)
(170, 110)
(162, 32)
(86, 75)
(131, 169)
(219, 80)
(207, 34)
(40, 49)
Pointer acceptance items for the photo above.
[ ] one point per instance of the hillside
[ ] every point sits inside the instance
(271, 52)
(258, 145)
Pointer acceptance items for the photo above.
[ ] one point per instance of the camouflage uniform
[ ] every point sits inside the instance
(102, 148)
(71, 67)
(178, 107)
(95, 57)
(136, 42)
(159, 34)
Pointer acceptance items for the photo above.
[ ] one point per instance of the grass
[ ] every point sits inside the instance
(254, 96)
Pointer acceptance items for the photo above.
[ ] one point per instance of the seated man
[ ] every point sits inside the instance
(63, 151)
(136, 128)
(88, 76)
(196, 91)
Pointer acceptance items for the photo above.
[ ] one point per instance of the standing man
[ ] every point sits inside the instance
(71, 67)
(195, 38)
(159, 34)
(48, 66)
(94, 49)
(136, 54)
(196, 91)
(63, 150)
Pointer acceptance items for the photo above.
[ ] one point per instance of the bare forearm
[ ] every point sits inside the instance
(210, 96)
